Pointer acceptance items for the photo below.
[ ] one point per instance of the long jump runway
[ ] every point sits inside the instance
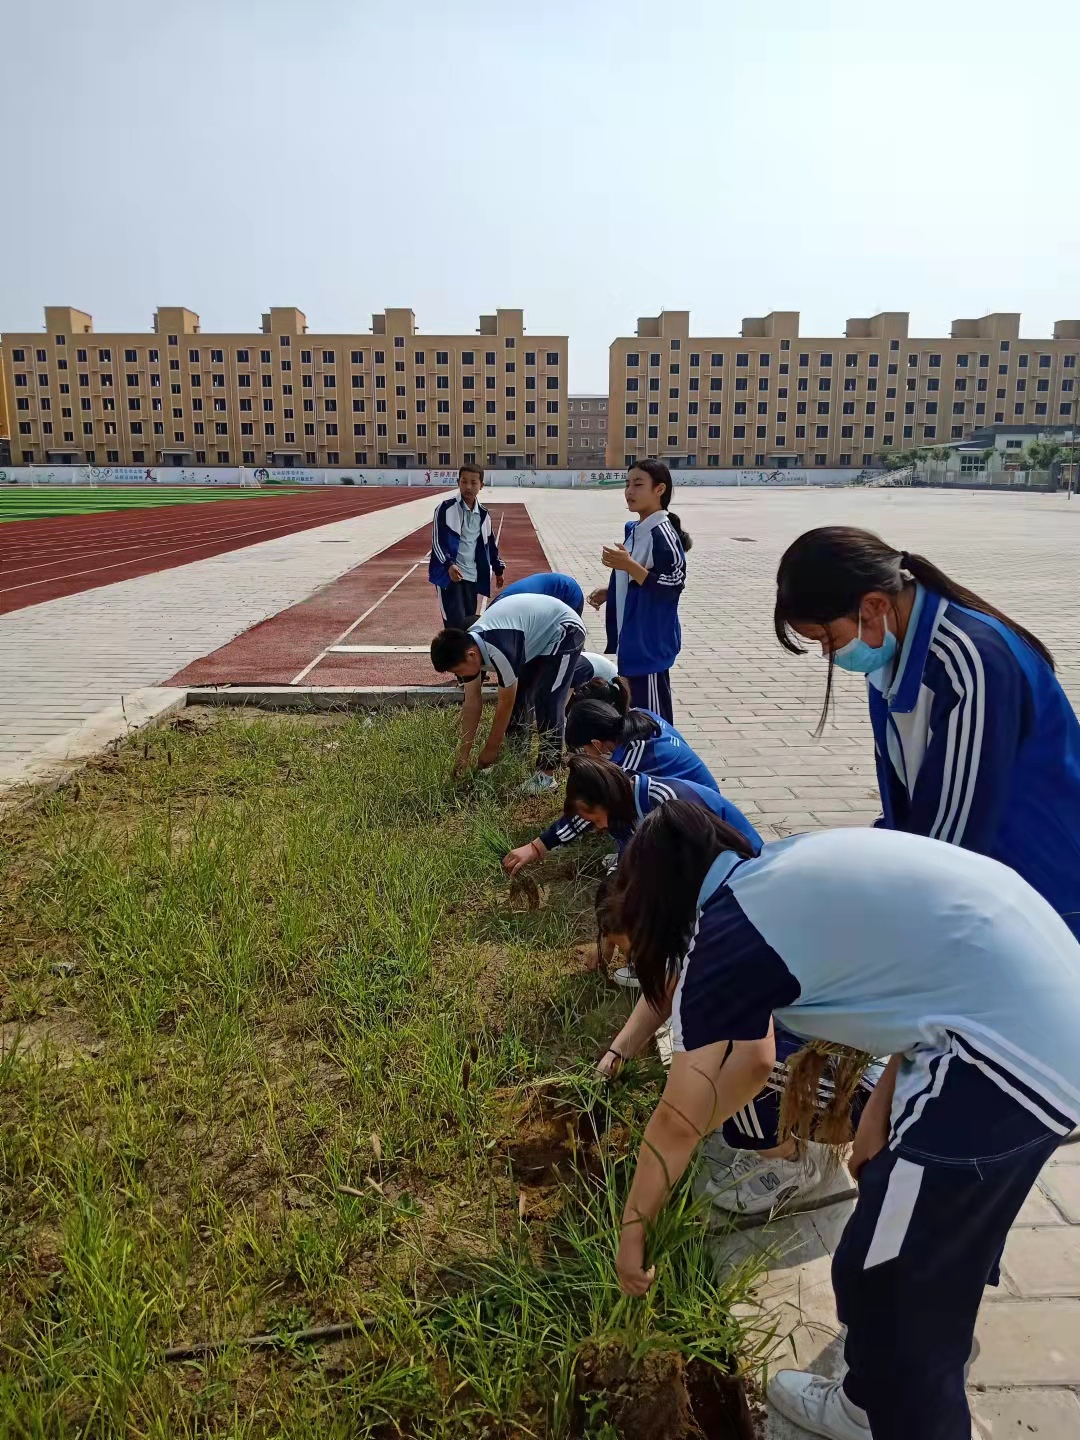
(372, 626)
(44, 559)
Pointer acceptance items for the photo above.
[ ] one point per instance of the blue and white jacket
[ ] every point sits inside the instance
(643, 620)
(649, 792)
(666, 756)
(445, 538)
(978, 745)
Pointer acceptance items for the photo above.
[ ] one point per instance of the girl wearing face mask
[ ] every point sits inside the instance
(976, 742)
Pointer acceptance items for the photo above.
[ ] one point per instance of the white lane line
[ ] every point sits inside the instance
(359, 621)
(484, 602)
(380, 649)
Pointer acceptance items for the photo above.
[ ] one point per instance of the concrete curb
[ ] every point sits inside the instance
(61, 758)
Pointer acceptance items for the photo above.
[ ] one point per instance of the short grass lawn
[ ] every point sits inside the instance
(282, 1050)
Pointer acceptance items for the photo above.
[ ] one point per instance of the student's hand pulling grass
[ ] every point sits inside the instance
(487, 757)
(524, 855)
(634, 1279)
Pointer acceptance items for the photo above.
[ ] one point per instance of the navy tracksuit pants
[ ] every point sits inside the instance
(923, 1242)
(543, 689)
(652, 692)
(459, 600)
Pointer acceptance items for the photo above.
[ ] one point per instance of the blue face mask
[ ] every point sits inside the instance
(863, 659)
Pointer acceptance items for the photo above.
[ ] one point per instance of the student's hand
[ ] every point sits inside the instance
(454, 573)
(524, 855)
(616, 557)
(634, 1279)
(461, 763)
(487, 757)
(597, 598)
(609, 1064)
(499, 581)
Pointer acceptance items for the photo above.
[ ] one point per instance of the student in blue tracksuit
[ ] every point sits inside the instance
(549, 582)
(464, 551)
(531, 643)
(600, 795)
(976, 742)
(892, 944)
(648, 573)
(634, 739)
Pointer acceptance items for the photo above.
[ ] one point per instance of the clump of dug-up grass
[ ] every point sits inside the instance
(275, 1055)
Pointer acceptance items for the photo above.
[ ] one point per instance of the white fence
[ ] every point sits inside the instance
(422, 479)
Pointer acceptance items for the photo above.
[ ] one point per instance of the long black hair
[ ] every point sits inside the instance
(824, 574)
(659, 474)
(658, 882)
(594, 782)
(601, 710)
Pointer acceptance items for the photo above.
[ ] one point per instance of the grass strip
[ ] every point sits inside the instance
(280, 1050)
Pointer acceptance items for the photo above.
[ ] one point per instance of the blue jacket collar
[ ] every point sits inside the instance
(901, 689)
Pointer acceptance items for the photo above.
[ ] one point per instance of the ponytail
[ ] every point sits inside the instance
(612, 692)
(659, 474)
(590, 719)
(825, 573)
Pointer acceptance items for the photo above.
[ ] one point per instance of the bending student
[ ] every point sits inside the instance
(976, 742)
(601, 722)
(532, 643)
(896, 945)
(648, 574)
(548, 582)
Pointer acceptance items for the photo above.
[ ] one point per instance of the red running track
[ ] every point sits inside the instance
(44, 559)
(386, 601)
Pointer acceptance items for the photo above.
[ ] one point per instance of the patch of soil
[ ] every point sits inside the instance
(551, 1138)
(62, 1034)
(663, 1397)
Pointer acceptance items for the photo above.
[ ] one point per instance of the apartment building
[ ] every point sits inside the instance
(587, 430)
(4, 430)
(284, 397)
(774, 398)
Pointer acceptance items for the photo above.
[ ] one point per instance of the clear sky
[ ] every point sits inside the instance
(587, 160)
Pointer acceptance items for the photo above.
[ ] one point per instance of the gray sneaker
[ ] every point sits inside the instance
(818, 1405)
(539, 784)
(750, 1185)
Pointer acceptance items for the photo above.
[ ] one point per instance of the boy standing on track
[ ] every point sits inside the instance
(532, 642)
(464, 551)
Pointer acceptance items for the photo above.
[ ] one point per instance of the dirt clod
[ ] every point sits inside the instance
(663, 1397)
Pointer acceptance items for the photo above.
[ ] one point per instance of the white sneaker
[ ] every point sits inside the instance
(610, 863)
(626, 977)
(539, 784)
(750, 1185)
(818, 1405)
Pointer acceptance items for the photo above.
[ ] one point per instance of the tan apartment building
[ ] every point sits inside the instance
(587, 431)
(772, 398)
(4, 430)
(284, 397)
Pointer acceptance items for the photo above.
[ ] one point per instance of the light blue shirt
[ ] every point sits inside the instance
(471, 522)
(893, 944)
(521, 628)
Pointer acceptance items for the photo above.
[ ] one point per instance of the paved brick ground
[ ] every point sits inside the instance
(749, 708)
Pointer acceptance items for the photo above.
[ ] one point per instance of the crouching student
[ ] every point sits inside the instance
(464, 551)
(531, 643)
(601, 722)
(648, 575)
(888, 943)
(601, 796)
(549, 582)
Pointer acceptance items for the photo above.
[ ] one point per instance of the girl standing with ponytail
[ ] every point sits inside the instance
(976, 742)
(648, 574)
